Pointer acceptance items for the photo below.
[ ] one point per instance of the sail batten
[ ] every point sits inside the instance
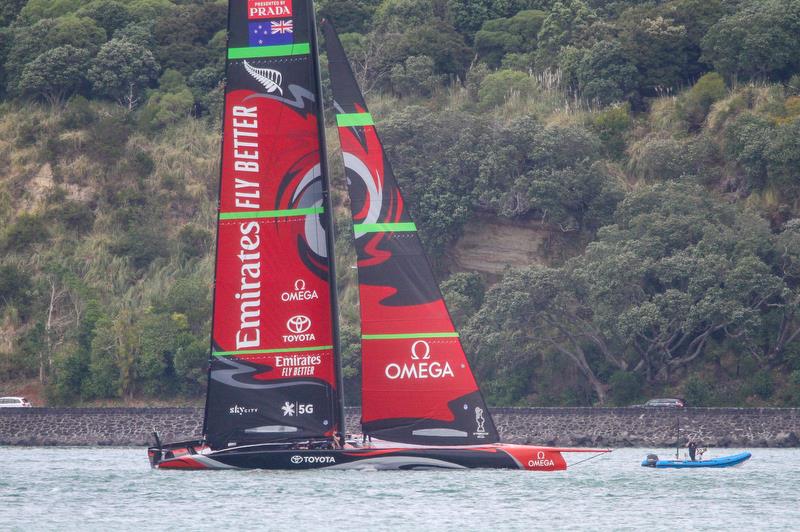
(273, 365)
(417, 386)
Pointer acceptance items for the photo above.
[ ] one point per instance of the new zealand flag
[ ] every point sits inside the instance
(271, 32)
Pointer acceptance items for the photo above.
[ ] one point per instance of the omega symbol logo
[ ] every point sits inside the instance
(421, 350)
(297, 459)
(298, 324)
(299, 285)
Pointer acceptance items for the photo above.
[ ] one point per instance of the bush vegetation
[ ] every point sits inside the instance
(657, 139)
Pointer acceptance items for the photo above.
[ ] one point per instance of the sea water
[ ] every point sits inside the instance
(114, 489)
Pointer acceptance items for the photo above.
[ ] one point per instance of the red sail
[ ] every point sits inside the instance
(273, 371)
(417, 386)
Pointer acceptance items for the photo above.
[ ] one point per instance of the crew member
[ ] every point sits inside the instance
(692, 445)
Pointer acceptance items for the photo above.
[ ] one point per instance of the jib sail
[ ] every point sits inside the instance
(273, 373)
(417, 386)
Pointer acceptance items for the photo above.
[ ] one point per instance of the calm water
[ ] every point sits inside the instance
(115, 489)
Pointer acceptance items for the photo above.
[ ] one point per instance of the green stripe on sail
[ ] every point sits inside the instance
(403, 227)
(411, 336)
(255, 215)
(272, 351)
(354, 119)
(280, 50)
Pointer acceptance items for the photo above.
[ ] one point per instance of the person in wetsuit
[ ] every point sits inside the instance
(692, 445)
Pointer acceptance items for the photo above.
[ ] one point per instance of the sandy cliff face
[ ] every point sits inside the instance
(489, 245)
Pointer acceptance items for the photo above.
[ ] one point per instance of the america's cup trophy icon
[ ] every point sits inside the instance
(479, 419)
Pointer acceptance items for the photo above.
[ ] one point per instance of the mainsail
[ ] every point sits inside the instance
(417, 386)
(273, 374)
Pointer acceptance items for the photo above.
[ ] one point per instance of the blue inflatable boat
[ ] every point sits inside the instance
(723, 461)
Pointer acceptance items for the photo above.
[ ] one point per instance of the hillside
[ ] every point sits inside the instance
(608, 190)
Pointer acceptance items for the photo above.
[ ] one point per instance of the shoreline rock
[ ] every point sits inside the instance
(571, 427)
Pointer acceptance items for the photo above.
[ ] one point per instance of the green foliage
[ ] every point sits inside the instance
(350, 15)
(121, 70)
(612, 126)
(56, 74)
(111, 15)
(172, 102)
(658, 47)
(439, 41)
(27, 230)
(626, 387)
(415, 77)
(757, 41)
(606, 75)
(108, 138)
(746, 142)
(76, 217)
(9, 9)
(15, 285)
(148, 10)
(78, 113)
(191, 367)
(190, 298)
(503, 36)
(693, 105)
(393, 15)
(697, 391)
(464, 294)
(676, 277)
(567, 22)
(549, 174)
(439, 191)
(70, 370)
(194, 241)
(761, 385)
(36, 10)
(160, 337)
(499, 87)
(141, 245)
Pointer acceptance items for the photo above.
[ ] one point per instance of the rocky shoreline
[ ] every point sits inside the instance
(612, 427)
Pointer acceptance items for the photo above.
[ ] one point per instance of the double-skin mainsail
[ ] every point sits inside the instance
(417, 386)
(274, 373)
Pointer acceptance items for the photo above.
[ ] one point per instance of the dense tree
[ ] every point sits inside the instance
(350, 15)
(464, 293)
(122, 70)
(567, 22)
(9, 9)
(56, 74)
(36, 10)
(548, 174)
(757, 41)
(606, 75)
(438, 190)
(517, 34)
(658, 47)
(110, 15)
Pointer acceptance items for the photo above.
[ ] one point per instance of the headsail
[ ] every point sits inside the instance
(273, 373)
(417, 386)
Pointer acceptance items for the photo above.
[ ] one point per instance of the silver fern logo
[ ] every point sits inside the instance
(268, 78)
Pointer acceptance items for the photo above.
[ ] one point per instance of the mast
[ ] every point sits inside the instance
(216, 238)
(331, 240)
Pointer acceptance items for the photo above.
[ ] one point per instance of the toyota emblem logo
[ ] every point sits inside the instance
(298, 324)
(297, 459)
